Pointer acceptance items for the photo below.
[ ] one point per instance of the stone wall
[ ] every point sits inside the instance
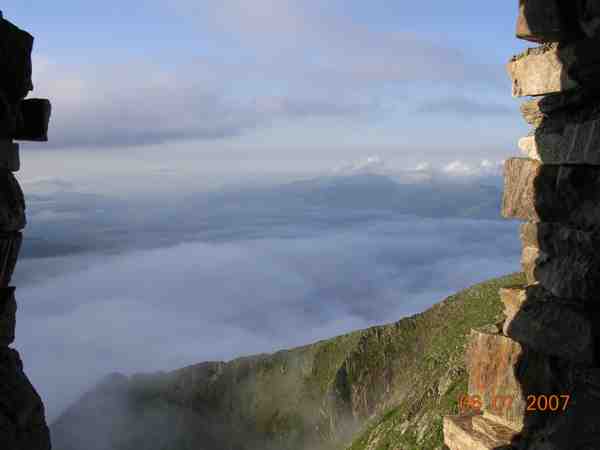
(534, 383)
(22, 421)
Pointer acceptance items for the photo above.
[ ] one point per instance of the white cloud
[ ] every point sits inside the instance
(485, 167)
(369, 164)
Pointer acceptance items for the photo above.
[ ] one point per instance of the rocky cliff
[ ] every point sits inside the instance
(386, 387)
(536, 383)
(22, 422)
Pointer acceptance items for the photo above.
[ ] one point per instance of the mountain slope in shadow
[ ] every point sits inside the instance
(384, 387)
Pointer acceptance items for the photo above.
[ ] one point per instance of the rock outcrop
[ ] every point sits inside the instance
(22, 419)
(535, 384)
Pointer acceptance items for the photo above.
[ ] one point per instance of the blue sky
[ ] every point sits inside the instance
(276, 86)
(155, 101)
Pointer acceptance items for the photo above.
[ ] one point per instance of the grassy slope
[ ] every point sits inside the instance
(382, 388)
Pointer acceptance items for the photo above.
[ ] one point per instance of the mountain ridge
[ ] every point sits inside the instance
(384, 387)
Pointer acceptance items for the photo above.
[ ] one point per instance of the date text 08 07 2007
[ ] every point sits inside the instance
(544, 403)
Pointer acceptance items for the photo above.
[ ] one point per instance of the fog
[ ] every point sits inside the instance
(113, 285)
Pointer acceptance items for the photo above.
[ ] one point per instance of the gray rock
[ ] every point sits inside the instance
(551, 326)
(542, 70)
(564, 261)
(546, 193)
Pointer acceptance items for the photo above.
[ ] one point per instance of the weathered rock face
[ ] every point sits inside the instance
(545, 193)
(548, 325)
(563, 260)
(546, 361)
(542, 71)
(22, 419)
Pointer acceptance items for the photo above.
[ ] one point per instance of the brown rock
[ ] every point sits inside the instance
(542, 70)
(549, 325)
(538, 192)
(475, 432)
(502, 373)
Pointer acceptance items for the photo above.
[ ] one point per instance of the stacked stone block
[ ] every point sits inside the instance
(538, 374)
(22, 421)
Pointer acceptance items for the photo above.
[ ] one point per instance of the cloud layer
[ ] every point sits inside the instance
(227, 276)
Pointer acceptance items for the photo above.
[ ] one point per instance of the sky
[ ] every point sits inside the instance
(227, 177)
(271, 87)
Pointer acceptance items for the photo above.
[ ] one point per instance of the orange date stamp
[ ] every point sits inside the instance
(498, 403)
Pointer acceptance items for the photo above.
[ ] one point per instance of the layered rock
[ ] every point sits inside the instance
(536, 383)
(22, 418)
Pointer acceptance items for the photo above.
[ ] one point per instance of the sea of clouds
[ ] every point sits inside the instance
(108, 284)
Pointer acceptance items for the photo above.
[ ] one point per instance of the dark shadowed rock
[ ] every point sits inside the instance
(549, 325)
(563, 260)
(545, 193)
(10, 245)
(8, 310)
(15, 53)
(12, 203)
(9, 156)
(21, 410)
(545, 21)
(34, 120)
(589, 17)
(557, 107)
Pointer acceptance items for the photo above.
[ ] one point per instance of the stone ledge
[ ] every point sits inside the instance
(542, 70)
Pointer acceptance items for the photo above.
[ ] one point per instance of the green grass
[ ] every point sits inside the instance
(384, 388)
